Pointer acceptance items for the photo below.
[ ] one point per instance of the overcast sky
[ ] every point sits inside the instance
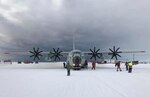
(25, 24)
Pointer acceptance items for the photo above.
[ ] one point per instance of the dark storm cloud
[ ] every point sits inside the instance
(51, 23)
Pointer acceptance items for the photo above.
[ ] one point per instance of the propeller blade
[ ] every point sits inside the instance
(38, 57)
(57, 49)
(34, 58)
(114, 48)
(40, 51)
(54, 50)
(97, 50)
(117, 49)
(58, 58)
(94, 49)
(55, 58)
(111, 50)
(91, 51)
(37, 50)
(116, 57)
(52, 56)
(112, 56)
(60, 55)
(98, 56)
(60, 51)
(31, 52)
(52, 53)
(31, 55)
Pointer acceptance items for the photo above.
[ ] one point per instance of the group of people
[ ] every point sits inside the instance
(69, 67)
(85, 65)
(127, 64)
(117, 64)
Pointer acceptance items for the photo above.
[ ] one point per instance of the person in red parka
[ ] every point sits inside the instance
(93, 64)
(118, 65)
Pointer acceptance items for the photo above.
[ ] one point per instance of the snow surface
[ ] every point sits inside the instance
(50, 80)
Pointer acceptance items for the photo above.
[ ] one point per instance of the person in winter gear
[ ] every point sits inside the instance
(118, 65)
(86, 64)
(93, 64)
(64, 65)
(68, 68)
(130, 64)
(126, 64)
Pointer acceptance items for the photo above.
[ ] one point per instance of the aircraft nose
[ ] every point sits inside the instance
(77, 60)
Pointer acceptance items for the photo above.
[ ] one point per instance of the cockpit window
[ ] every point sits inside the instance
(76, 54)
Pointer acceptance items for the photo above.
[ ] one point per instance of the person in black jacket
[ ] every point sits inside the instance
(126, 64)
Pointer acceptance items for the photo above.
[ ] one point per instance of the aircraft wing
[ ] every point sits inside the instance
(131, 51)
(88, 52)
(63, 53)
(114, 53)
(15, 53)
(26, 53)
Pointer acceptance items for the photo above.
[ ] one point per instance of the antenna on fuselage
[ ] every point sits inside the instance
(73, 41)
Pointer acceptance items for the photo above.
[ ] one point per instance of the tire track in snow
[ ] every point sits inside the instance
(110, 87)
(136, 89)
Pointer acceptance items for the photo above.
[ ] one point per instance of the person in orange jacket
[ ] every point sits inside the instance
(93, 64)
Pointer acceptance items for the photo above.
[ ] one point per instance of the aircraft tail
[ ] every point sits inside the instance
(73, 41)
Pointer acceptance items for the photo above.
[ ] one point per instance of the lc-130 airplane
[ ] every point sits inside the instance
(77, 57)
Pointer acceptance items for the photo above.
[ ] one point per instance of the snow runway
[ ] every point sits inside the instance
(36, 81)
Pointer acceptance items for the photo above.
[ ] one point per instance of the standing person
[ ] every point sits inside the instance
(68, 68)
(118, 65)
(93, 65)
(130, 67)
(86, 64)
(126, 64)
(64, 65)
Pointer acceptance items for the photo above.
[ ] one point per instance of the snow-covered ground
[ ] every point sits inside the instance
(50, 80)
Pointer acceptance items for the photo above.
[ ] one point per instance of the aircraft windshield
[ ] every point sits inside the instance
(76, 53)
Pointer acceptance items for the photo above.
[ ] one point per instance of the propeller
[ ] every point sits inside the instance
(115, 52)
(36, 53)
(55, 54)
(95, 53)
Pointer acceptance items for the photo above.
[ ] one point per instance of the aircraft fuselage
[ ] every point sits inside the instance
(76, 58)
